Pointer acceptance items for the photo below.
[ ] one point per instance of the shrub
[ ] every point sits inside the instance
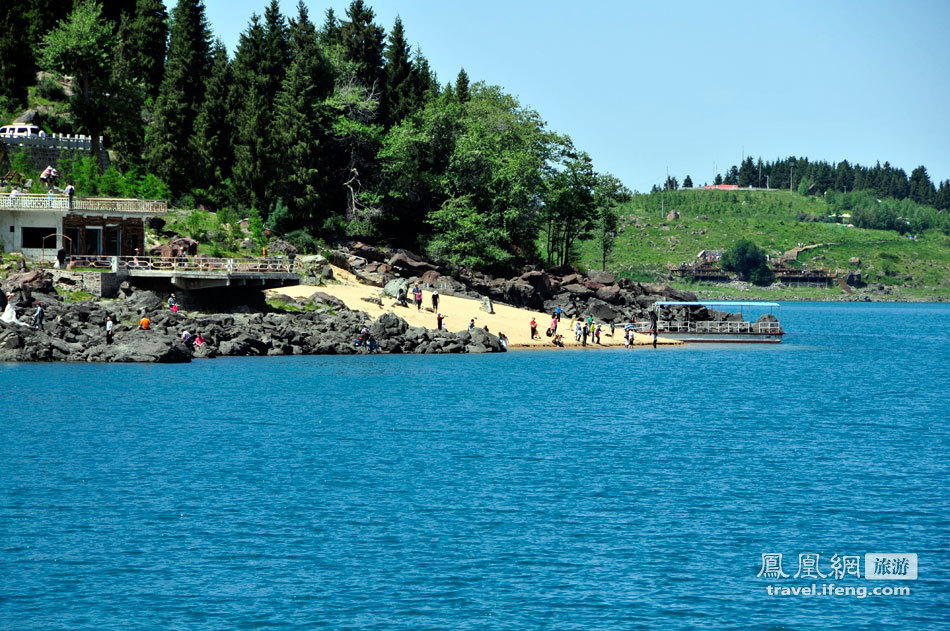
(747, 260)
(51, 90)
(303, 241)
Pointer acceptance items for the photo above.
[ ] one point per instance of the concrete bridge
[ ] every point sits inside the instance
(205, 272)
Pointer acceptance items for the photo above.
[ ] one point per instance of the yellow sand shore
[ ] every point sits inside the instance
(512, 321)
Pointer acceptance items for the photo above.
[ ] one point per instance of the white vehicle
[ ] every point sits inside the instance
(19, 129)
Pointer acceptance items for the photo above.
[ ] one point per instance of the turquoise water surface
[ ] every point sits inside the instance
(550, 489)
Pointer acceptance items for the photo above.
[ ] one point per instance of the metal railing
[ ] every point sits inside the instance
(712, 326)
(32, 201)
(206, 264)
(51, 141)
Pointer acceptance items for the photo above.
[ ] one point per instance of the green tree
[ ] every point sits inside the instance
(362, 43)
(688, 182)
(301, 119)
(609, 193)
(461, 86)
(145, 40)
(398, 98)
(17, 70)
(748, 174)
(747, 260)
(213, 125)
(170, 152)
(82, 47)
(569, 205)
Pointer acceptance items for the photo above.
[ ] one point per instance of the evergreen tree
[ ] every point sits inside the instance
(461, 86)
(425, 85)
(300, 119)
(362, 43)
(145, 40)
(213, 125)
(747, 173)
(688, 182)
(398, 98)
(17, 69)
(250, 116)
(125, 129)
(330, 32)
(920, 188)
(170, 152)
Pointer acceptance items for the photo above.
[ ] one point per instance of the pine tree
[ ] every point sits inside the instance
(145, 41)
(362, 43)
(213, 129)
(688, 182)
(170, 154)
(250, 115)
(398, 98)
(17, 69)
(461, 87)
(300, 118)
(329, 33)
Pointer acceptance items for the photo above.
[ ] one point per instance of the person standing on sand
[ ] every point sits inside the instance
(417, 292)
(597, 335)
(577, 331)
(534, 328)
(557, 313)
(554, 324)
(471, 324)
(503, 340)
(438, 320)
(435, 299)
(584, 333)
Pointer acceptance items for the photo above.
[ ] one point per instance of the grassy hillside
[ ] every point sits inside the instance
(776, 221)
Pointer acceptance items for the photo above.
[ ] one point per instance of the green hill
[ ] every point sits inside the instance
(777, 221)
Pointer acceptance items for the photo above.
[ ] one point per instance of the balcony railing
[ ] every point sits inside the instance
(29, 201)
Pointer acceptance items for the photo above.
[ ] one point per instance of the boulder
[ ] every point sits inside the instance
(388, 326)
(28, 282)
(609, 294)
(429, 277)
(319, 297)
(604, 278)
(143, 301)
(279, 246)
(368, 252)
(392, 287)
(402, 261)
(143, 347)
(578, 291)
(185, 244)
(601, 311)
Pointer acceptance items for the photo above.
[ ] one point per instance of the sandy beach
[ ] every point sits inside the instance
(458, 312)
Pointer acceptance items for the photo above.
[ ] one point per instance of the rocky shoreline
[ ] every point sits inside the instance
(75, 331)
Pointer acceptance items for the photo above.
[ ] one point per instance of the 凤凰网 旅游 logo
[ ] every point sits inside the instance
(821, 569)
(890, 566)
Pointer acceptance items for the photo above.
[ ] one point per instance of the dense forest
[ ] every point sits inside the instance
(335, 127)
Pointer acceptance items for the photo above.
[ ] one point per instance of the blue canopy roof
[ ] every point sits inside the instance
(717, 303)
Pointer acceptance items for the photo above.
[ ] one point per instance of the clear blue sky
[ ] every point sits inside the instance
(649, 86)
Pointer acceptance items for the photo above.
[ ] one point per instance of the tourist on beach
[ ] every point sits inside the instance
(554, 324)
(577, 331)
(417, 293)
(558, 341)
(110, 325)
(471, 324)
(503, 340)
(199, 340)
(38, 316)
(435, 299)
(173, 303)
(628, 338)
(401, 298)
(597, 335)
(584, 333)
(612, 328)
(557, 313)
(144, 323)
(534, 328)
(438, 320)
(186, 337)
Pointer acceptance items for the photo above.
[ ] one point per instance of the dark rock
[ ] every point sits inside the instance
(404, 262)
(609, 294)
(604, 278)
(601, 311)
(28, 282)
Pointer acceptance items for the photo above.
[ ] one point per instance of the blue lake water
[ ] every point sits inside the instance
(553, 489)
